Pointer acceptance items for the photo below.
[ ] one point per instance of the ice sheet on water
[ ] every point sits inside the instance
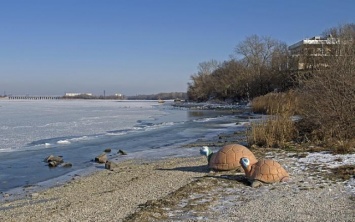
(63, 142)
(25, 123)
(204, 119)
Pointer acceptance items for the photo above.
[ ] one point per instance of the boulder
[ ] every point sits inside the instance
(122, 152)
(53, 163)
(101, 158)
(48, 158)
(54, 158)
(67, 164)
(110, 165)
(108, 150)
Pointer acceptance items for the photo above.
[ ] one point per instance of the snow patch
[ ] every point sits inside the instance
(329, 160)
(332, 161)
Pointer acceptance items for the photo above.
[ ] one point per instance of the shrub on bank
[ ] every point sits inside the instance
(324, 98)
(278, 128)
(328, 94)
(326, 109)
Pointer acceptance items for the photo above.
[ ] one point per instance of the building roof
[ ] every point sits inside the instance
(316, 40)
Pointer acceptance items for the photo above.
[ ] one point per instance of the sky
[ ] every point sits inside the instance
(132, 47)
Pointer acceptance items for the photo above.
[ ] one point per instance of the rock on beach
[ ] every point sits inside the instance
(102, 158)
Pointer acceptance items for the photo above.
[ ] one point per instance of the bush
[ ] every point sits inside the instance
(328, 99)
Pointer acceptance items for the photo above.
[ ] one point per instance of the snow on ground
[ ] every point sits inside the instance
(326, 161)
(329, 160)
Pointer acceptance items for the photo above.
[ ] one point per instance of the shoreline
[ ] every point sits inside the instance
(121, 191)
(181, 188)
(178, 186)
(80, 149)
(28, 187)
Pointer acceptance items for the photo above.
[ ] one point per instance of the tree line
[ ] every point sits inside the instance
(261, 68)
(258, 66)
(163, 96)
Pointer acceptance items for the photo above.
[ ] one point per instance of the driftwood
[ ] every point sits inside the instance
(122, 152)
(101, 158)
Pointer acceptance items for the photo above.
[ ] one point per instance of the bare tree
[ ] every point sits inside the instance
(258, 54)
(201, 86)
(228, 81)
(207, 68)
(256, 50)
(261, 70)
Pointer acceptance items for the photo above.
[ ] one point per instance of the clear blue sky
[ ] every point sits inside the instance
(50, 47)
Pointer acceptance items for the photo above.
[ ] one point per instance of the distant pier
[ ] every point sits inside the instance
(35, 97)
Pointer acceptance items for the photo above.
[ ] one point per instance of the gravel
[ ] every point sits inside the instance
(183, 189)
(106, 195)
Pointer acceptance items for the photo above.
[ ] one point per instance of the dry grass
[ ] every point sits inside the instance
(317, 127)
(279, 128)
(276, 103)
(276, 131)
(341, 146)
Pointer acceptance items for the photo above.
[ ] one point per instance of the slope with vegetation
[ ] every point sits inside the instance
(323, 97)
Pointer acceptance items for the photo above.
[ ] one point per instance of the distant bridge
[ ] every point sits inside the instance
(35, 97)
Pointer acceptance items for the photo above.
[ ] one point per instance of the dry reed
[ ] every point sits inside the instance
(278, 128)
